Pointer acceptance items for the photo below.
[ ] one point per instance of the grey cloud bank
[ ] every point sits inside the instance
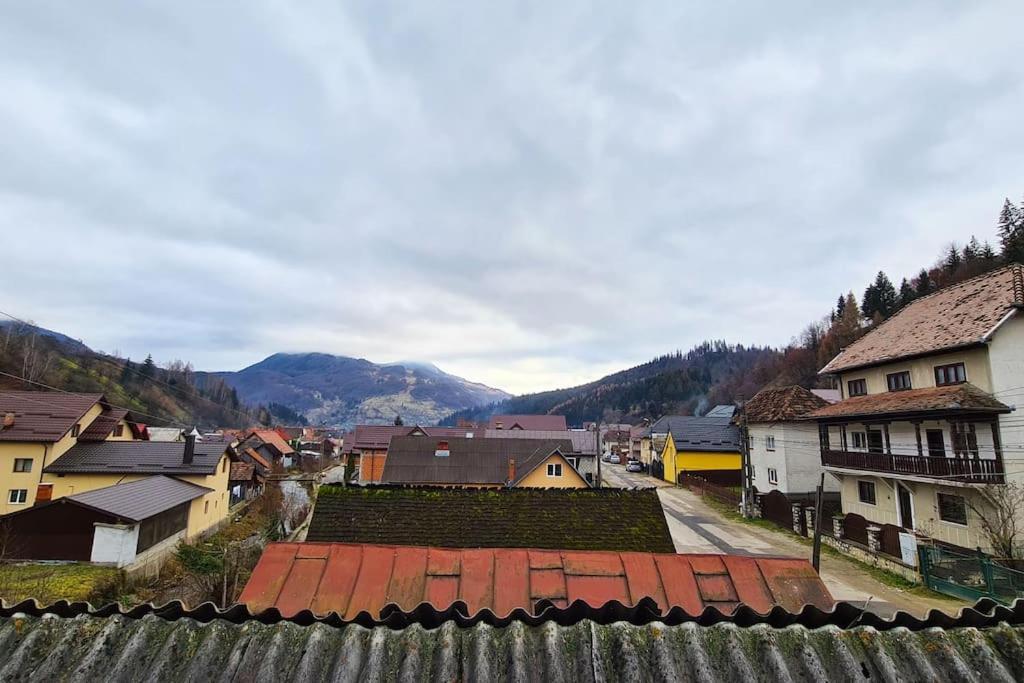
(529, 197)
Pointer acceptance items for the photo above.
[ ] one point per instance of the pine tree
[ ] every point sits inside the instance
(840, 307)
(987, 253)
(148, 367)
(907, 293)
(972, 250)
(953, 259)
(1011, 232)
(880, 298)
(924, 283)
(398, 421)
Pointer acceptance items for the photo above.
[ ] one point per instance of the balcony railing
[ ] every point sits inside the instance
(974, 470)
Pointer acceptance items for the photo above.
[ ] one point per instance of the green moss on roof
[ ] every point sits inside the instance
(569, 519)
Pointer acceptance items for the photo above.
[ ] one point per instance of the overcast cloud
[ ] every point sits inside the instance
(529, 195)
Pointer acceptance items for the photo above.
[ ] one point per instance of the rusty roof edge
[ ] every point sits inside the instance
(985, 613)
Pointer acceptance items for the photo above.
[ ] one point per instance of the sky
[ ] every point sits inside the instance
(530, 195)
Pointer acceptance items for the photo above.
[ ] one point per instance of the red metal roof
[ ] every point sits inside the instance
(352, 578)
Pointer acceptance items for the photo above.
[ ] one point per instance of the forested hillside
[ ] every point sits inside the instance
(717, 372)
(32, 358)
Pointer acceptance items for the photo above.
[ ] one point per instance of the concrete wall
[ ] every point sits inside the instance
(796, 458)
(1006, 356)
(922, 371)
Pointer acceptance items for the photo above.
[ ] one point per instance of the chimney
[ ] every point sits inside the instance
(190, 446)
(511, 471)
(499, 425)
(8, 421)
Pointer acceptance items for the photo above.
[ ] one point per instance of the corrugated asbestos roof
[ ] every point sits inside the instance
(118, 648)
(42, 415)
(414, 459)
(955, 316)
(348, 579)
(138, 457)
(965, 397)
(139, 500)
(576, 519)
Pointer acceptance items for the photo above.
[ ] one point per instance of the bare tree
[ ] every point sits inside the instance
(998, 507)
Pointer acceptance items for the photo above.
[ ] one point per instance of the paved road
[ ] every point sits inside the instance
(697, 528)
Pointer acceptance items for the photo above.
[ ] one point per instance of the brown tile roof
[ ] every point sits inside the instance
(962, 397)
(959, 315)
(42, 416)
(413, 459)
(252, 453)
(379, 436)
(781, 404)
(347, 579)
(102, 426)
(538, 422)
(242, 471)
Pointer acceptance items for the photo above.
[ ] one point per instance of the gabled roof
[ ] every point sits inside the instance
(580, 519)
(781, 404)
(272, 438)
(582, 442)
(255, 455)
(348, 579)
(961, 397)
(721, 411)
(700, 434)
(100, 428)
(141, 499)
(377, 437)
(540, 422)
(414, 459)
(961, 315)
(42, 416)
(137, 457)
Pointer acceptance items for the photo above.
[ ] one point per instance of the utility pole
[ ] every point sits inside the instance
(597, 440)
(816, 552)
(746, 500)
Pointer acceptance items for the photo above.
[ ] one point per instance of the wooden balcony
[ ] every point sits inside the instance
(971, 470)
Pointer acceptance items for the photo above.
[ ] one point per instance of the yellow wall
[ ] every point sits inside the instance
(539, 478)
(922, 371)
(680, 461)
(126, 433)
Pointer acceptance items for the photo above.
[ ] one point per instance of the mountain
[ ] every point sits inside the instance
(342, 391)
(680, 383)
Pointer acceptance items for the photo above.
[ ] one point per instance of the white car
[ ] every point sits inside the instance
(615, 459)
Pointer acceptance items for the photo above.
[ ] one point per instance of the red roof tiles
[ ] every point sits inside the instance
(351, 578)
(962, 397)
(269, 436)
(780, 404)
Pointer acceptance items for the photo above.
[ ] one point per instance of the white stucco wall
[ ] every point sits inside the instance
(114, 543)
(797, 458)
(1006, 356)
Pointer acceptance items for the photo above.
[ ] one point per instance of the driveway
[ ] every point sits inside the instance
(698, 528)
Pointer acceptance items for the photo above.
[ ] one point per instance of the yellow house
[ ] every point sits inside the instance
(715, 456)
(37, 427)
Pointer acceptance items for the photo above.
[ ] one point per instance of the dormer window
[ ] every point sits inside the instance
(857, 387)
(946, 375)
(898, 381)
(74, 430)
(442, 450)
(119, 430)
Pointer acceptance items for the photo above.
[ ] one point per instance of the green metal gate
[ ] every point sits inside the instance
(969, 576)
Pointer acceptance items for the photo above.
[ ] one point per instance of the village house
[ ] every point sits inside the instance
(487, 462)
(584, 445)
(38, 427)
(783, 447)
(270, 445)
(552, 423)
(366, 448)
(704, 447)
(928, 411)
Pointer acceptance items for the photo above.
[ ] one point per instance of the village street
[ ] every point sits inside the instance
(698, 528)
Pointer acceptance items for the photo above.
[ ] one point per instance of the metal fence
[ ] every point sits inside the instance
(970, 576)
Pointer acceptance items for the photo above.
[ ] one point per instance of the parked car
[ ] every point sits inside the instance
(607, 457)
(634, 466)
(614, 459)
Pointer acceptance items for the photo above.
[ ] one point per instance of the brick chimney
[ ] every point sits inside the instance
(190, 446)
(511, 471)
(8, 421)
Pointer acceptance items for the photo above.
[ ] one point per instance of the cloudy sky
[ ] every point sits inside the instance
(527, 194)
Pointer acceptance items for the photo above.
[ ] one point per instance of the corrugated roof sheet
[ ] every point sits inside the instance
(138, 457)
(780, 404)
(721, 411)
(43, 415)
(582, 441)
(377, 437)
(579, 519)
(347, 579)
(118, 648)
(955, 316)
(538, 422)
(139, 500)
(703, 434)
(964, 397)
(414, 459)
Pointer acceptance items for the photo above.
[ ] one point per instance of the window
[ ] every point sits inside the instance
(950, 374)
(224, 465)
(857, 387)
(575, 462)
(74, 430)
(876, 441)
(206, 507)
(119, 430)
(750, 442)
(555, 469)
(898, 381)
(952, 508)
(936, 443)
(773, 476)
(866, 492)
(769, 442)
(161, 526)
(965, 439)
(860, 440)
(753, 472)
(17, 496)
(23, 464)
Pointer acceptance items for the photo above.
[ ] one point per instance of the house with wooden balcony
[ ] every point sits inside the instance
(928, 418)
